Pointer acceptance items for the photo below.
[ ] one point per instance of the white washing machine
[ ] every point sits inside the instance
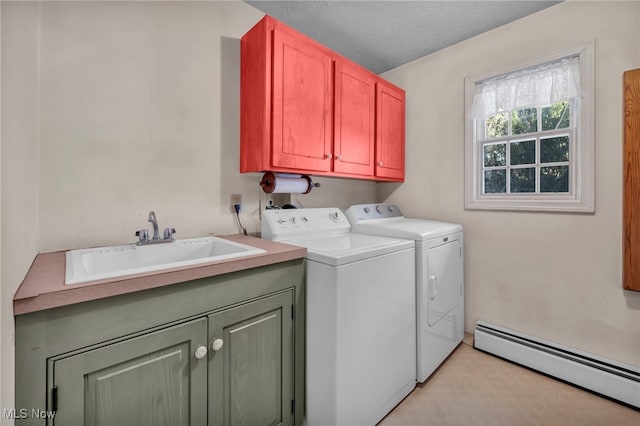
(439, 277)
(360, 315)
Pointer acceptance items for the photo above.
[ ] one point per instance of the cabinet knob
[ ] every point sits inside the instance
(328, 156)
(339, 157)
(217, 344)
(201, 352)
(379, 163)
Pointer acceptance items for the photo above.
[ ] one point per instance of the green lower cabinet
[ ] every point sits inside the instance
(151, 380)
(251, 364)
(223, 350)
(160, 378)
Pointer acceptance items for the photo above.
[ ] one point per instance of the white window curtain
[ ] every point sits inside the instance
(540, 86)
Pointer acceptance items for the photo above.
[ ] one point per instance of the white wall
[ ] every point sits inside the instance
(555, 276)
(139, 119)
(334, 192)
(20, 159)
(145, 117)
(112, 109)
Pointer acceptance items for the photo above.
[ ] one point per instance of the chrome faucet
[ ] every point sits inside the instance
(143, 234)
(154, 221)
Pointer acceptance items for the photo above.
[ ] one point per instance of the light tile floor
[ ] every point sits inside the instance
(477, 389)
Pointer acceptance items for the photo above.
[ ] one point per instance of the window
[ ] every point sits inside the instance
(527, 150)
(529, 138)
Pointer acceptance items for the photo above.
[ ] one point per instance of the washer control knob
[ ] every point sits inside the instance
(334, 216)
(217, 345)
(201, 352)
(367, 210)
(281, 221)
(379, 209)
(293, 220)
(304, 219)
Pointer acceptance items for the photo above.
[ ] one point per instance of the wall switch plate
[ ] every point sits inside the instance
(236, 199)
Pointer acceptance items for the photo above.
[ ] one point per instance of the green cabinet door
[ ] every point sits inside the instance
(154, 379)
(251, 367)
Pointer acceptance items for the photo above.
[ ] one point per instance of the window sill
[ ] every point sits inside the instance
(525, 203)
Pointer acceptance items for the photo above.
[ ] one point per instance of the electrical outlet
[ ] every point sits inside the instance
(236, 199)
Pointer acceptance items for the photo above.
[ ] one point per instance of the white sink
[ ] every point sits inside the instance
(116, 261)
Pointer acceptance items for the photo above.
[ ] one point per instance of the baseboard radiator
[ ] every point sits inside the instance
(606, 377)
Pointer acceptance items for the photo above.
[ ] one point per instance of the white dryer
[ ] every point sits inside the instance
(360, 315)
(439, 277)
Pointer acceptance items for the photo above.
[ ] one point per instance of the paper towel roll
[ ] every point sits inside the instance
(291, 184)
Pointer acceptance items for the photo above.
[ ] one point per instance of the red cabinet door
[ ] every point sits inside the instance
(302, 103)
(389, 131)
(354, 109)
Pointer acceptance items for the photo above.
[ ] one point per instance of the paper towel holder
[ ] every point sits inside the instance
(303, 182)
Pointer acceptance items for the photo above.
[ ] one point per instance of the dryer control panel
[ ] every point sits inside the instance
(280, 225)
(363, 212)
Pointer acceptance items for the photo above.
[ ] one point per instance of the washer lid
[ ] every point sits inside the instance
(415, 229)
(341, 249)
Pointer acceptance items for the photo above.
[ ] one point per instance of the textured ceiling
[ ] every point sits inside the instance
(381, 35)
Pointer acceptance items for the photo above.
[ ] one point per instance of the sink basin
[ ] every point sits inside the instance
(116, 261)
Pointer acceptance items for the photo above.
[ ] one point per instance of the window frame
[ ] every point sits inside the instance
(581, 195)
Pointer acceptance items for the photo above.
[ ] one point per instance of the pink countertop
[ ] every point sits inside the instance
(44, 288)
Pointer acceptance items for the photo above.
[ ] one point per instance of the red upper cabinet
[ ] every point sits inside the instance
(302, 103)
(389, 131)
(354, 111)
(305, 109)
(286, 101)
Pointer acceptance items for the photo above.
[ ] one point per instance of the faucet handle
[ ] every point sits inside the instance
(143, 234)
(168, 233)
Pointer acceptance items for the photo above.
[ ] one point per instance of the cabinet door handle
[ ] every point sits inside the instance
(339, 157)
(217, 345)
(201, 352)
(328, 156)
(379, 163)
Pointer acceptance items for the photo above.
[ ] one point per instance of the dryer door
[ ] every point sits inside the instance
(444, 280)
